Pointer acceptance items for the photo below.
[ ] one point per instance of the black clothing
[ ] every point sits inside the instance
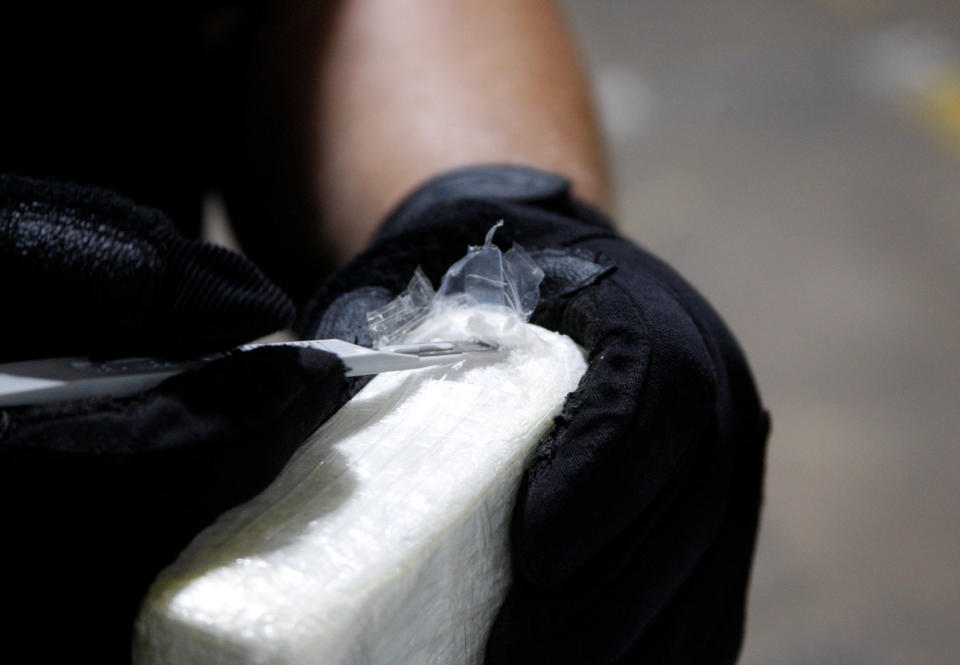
(109, 96)
(164, 102)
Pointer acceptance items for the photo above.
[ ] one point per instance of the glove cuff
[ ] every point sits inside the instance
(503, 183)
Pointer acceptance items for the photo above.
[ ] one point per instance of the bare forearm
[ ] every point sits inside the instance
(410, 88)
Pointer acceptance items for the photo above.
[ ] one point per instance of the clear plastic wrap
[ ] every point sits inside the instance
(385, 539)
(484, 278)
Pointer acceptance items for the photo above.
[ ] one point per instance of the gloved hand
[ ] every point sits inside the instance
(634, 526)
(99, 494)
(87, 272)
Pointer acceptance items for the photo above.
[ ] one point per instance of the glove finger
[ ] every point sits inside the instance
(107, 492)
(211, 298)
(645, 402)
(91, 273)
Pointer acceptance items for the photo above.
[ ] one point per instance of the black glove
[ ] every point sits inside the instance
(99, 494)
(634, 526)
(87, 272)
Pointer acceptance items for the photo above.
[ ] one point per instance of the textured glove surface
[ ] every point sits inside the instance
(87, 272)
(634, 527)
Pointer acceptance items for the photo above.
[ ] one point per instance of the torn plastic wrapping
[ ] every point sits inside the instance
(484, 278)
(385, 539)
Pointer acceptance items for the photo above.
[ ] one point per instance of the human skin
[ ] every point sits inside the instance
(412, 88)
(399, 91)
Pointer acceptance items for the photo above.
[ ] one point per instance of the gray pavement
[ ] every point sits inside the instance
(799, 161)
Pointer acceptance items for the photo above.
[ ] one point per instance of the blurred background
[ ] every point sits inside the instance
(799, 161)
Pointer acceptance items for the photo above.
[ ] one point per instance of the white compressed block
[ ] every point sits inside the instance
(385, 538)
